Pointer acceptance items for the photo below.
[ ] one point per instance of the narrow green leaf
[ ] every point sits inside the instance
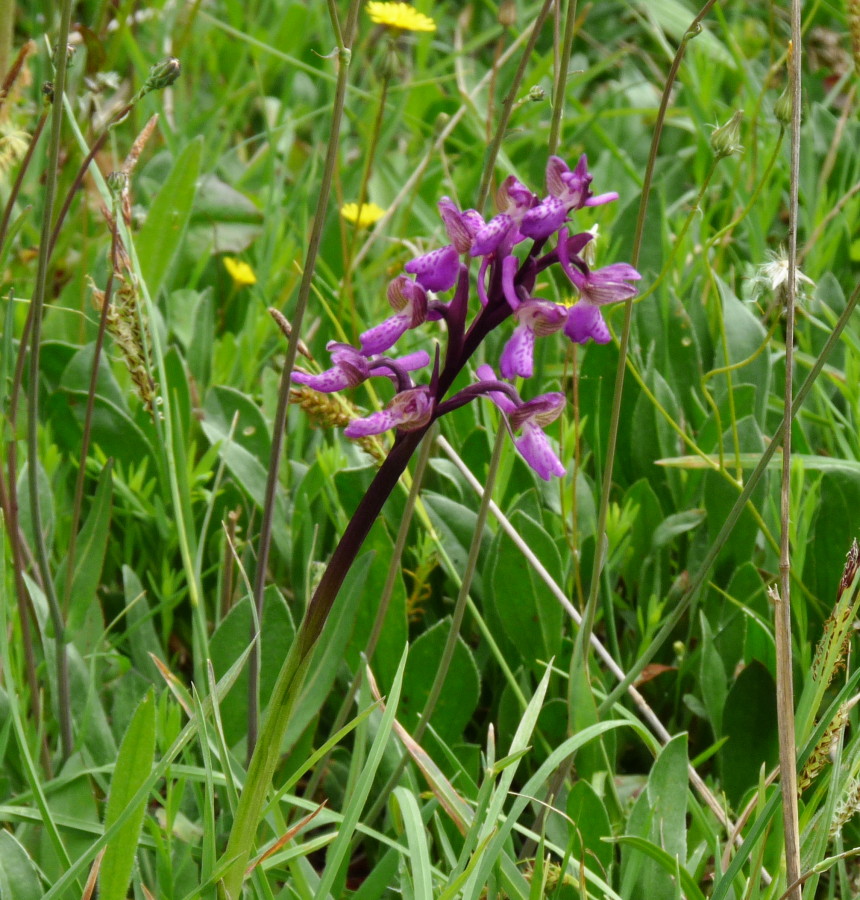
(667, 862)
(355, 803)
(160, 239)
(133, 765)
(91, 548)
(416, 839)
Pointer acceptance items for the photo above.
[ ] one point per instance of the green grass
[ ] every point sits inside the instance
(156, 489)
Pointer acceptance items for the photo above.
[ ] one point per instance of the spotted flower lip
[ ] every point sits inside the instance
(352, 367)
(436, 270)
(409, 410)
(530, 417)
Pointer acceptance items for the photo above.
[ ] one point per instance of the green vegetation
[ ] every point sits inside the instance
(167, 515)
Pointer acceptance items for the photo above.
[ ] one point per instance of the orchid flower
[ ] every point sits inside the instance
(529, 417)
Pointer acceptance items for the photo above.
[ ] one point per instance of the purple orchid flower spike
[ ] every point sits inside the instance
(436, 270)
(530, 417)
(409, 410)
(409, 299)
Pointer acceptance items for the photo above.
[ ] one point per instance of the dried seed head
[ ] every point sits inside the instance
(332, 411)
(847, 806)
(854, 28)
(821, 755)
(852, 564)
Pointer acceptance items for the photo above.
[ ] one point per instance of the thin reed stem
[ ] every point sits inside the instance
(782, 608)
(63, 698)
(562, 58)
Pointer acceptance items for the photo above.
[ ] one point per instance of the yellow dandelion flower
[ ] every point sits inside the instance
(241, 273)
(399, 15)
(367, 215)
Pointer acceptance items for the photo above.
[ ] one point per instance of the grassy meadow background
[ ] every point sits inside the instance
(124, 745)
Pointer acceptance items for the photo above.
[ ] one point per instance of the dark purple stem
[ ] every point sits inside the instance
(459, 351)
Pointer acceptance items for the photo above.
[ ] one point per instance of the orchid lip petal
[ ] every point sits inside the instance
(436, 270)
(536, 451)
(517, 358)
(384, 335)
(327, 382)
(545, 219)
(584, 321)
(489, 238)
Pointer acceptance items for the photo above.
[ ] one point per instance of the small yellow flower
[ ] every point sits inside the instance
(241, 273)
(367, 215)
(399, 15)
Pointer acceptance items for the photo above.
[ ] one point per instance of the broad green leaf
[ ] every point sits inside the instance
(678, 523)
(134, 761)
(659, 816)
(90, 553)
(222, 219)
(394, 632)
(46, 505)
(459, 696)
(160, 239)
(590, 825)
(530, 615)
(455, 525)
(142, 636)
(749, 722)
(673, 867)
(19, 879)
(118, 432)
(230, 640)
(713, 678)
(744, 336)
(835, 527)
